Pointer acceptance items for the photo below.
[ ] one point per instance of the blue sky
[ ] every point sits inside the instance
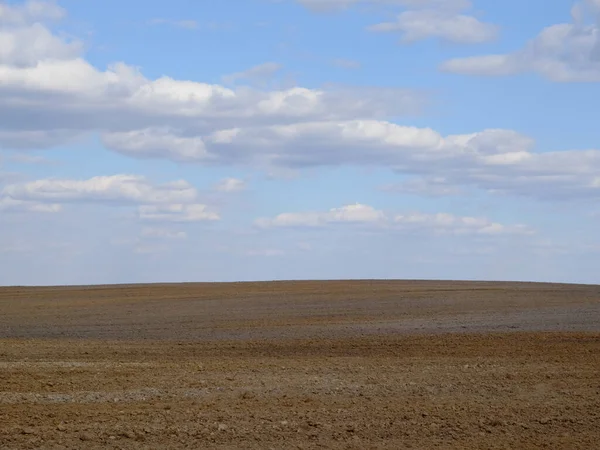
(290, 139)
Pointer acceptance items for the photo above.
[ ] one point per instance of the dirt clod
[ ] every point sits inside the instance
(86, 436)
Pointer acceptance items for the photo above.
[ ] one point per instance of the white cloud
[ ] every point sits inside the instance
(499, 160)
(51, 93)
(24, 47)
(426, 187)
(339, 5)
(443, 223)
(8, 204)
(357, 214)
(256, 73)
(177, 213)
(327, 5)
(162, 233)
(277, 131)
(422, 19)
(116, 188)
(176, 201)
(230, 185)
(446, 25)
(75, 97)
(156, 142)
(30, 11)
(440, 224)
(46, 77)
(567, 52)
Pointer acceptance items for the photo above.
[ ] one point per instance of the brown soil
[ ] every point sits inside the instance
(354, 365)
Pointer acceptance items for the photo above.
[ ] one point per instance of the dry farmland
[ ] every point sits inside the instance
(338, 364)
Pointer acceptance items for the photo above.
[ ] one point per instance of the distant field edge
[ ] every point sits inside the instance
(378, 281)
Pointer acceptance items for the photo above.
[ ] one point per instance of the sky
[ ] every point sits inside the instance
(153, 141)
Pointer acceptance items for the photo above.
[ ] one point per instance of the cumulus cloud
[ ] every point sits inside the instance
(230, 185)
(176, 201)
(23, 47)
(177, 213)
(50, 94)
(327, 5)
(30, 11)
(500, 160)
(443, 24)
(425, 187)
(356, 213)
(566, 52)
(162, 233)
(72, 95)
(8, 204)
(61, 98)
(359, 214)
(156, 142)
(339, 5)
(258, 73)
(443, 223)
(422, 19)
(115, 188)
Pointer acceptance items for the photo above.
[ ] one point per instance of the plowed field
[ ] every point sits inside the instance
(341, 364)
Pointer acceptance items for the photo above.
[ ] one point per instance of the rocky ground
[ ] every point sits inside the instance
(353, 365)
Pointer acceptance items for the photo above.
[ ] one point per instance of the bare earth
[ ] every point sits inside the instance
(340, 364)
